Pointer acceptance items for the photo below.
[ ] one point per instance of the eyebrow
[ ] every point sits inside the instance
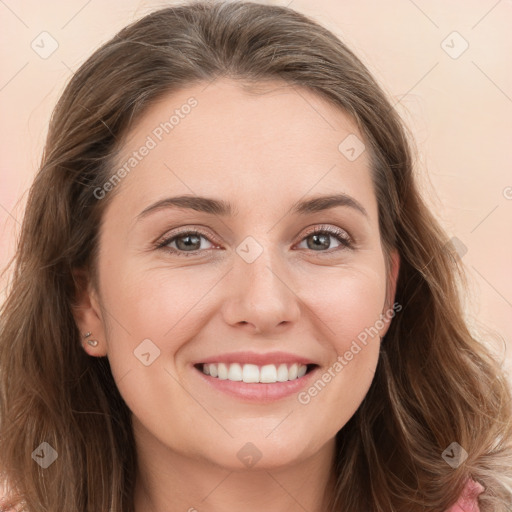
(223, 208)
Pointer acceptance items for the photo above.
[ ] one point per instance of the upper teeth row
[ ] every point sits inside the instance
(253, 373)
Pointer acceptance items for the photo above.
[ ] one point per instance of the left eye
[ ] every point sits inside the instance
(319, 239)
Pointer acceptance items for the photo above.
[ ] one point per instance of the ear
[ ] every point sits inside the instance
(87, 314)
(389, 311)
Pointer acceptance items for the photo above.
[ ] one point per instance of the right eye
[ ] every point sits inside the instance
(187, 243)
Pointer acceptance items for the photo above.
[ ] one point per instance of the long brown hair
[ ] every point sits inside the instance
(435, 384)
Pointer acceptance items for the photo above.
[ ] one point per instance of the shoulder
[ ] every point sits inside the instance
(3, 497)
(468, 500)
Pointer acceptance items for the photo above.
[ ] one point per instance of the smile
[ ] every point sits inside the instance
(251, 373)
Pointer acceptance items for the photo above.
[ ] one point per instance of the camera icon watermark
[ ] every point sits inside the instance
(454, 455)
(44, 45)
(351, 147)
(249, 455)
(249, 249)
(456, 247)
(454, 45)
(147, 352)
(45, 455)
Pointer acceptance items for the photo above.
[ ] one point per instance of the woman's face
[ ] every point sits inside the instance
(256, 286)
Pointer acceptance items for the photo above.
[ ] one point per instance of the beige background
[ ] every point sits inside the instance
(458, 104)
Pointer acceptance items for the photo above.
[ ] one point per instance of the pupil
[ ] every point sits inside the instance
(322, 239)
(190, 240)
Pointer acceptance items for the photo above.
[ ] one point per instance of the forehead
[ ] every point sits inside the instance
(267, 140)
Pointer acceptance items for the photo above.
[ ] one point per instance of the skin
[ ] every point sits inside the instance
(263, 152)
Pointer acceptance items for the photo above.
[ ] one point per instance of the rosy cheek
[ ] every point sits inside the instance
(139, 296)
(350, 306)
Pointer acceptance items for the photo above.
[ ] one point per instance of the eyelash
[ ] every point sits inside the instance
(341, 235)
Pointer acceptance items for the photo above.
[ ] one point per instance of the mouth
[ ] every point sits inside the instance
(255, 374)
(253, 383)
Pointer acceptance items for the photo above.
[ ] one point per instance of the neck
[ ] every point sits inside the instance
(172, 481)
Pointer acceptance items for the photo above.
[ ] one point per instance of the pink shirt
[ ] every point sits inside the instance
(468, 500)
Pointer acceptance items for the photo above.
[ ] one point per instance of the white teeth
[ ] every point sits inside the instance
(282, 373)
(251, 373)
(222, 371)
(268, 373)
(235, 372)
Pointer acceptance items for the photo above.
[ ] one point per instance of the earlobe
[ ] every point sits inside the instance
(87, 315)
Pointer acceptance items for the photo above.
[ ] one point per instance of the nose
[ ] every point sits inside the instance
(260, 296)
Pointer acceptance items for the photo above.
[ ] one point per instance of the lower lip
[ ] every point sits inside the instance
(258, 392)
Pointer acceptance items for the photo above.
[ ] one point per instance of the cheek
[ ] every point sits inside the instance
(159, 301)
(163, 305)
(152, 313)
(349, 304)
(348, 309)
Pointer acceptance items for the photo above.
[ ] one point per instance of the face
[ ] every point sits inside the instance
(264, 282)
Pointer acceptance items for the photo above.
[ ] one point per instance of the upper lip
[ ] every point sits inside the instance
(257, 359)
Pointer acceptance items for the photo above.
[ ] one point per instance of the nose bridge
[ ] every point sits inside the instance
(258, 265)
(261, 292)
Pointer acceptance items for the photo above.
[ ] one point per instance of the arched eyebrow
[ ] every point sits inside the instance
(321, 203)
(227, 209)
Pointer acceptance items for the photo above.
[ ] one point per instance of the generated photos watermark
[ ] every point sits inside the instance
(304, 397)
(151, 142)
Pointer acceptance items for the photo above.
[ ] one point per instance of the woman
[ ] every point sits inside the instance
(229, 293)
